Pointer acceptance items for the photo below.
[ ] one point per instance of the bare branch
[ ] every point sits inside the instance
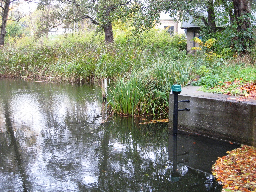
(92, 20)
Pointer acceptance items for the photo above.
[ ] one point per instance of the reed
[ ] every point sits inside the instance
(142, 68)
(146, 91)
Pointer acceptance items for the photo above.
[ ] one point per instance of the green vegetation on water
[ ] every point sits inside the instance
(141, 68)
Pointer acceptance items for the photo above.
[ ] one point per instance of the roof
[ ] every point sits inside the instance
(189, 24)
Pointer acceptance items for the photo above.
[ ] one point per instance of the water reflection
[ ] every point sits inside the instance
(52, 138)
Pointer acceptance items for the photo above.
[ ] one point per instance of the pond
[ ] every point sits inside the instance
(57, 137)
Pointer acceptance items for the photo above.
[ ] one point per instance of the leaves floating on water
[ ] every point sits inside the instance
(155, 121)
(237, 170)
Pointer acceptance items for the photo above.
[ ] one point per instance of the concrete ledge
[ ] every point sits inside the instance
(216, 115)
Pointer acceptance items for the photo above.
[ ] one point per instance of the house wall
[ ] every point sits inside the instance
(170, 22)
(191, 34)
(167, 21)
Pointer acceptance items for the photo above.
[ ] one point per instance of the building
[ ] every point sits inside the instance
(192, 31)
(169, 23)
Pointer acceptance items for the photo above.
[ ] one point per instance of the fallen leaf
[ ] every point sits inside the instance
(237, 170)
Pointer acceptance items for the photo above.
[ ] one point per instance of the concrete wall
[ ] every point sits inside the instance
(217, 116)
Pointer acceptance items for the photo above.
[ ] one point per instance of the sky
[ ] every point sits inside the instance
(164, 15)
(27, 6)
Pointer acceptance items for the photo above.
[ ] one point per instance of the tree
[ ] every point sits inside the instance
(235, 15)
(242, 15)
(9, 12)
(211, 15)
(101, 12)
(46, 18)
(4, 5)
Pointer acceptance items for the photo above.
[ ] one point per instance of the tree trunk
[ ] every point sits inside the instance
(109, 38)
(4, 20)
(107, 24)
(1, 39)
(211, 16)
(242, 10)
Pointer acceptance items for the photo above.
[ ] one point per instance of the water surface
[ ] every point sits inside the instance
(57, 137)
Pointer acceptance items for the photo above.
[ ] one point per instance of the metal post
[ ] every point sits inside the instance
(175, 162)
(104, 87)
(175, 113)
(176, 89)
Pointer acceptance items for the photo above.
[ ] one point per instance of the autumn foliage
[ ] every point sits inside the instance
(250, 90)
(244, 90)
(237, 170)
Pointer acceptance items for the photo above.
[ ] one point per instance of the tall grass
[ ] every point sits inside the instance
(146, 90)
(79, 56)
(142, 68)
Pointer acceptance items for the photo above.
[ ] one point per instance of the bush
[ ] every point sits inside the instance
(14, 29)
(228, 41)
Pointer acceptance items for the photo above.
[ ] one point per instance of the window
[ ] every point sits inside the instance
(170, 29)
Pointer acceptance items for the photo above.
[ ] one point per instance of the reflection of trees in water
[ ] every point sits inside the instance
(68, 148)
(134, 165)
(17, 158)
(52, 150)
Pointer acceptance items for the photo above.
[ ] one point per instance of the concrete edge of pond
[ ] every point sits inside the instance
(216, 115)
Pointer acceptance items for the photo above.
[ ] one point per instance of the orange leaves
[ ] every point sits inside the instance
(245, 90)
(155, 121)
(237, 170)
(250, 90)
